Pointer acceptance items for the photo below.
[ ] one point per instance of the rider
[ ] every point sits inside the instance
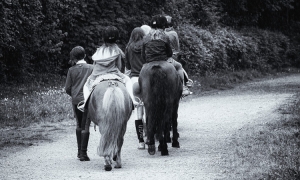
(76, 77)
(174, 41)
(134, 62)
(157, 47)
(107, 64)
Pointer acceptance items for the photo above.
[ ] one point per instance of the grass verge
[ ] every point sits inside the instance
(269, 151)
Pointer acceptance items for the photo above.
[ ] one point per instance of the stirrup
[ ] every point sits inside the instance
(189, 83)
(186, 91)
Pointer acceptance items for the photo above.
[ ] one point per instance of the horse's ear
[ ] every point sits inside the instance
(136, 89)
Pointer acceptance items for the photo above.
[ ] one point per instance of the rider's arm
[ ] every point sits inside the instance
(143, 53)
(119, 62)
(168, 48)
(127, 62)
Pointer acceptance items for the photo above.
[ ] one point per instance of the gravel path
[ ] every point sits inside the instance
(205, 125)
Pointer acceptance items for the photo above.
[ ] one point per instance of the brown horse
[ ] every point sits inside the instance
(110, 107)
(160, 89)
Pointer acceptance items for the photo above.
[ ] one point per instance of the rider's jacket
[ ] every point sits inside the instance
(76, 77)
(107, 60)
(174, 40)
(156, 46)
(133, 58)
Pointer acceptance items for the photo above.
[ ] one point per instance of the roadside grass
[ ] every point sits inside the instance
(269, 151)
(225, 80)
(27, 104)
(29, 112)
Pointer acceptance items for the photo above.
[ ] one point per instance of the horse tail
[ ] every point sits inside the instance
(113, 125)
(158, 101)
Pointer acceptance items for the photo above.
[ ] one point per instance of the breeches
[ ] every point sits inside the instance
(78, 115)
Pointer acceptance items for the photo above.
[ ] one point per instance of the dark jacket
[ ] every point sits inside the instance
(156, 50)
(76, 78)
(133, 58)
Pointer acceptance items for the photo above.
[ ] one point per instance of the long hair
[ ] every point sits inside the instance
(137, 34)
(113, 125)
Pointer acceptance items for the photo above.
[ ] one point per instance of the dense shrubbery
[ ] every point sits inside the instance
(230, 50)
(37, 35)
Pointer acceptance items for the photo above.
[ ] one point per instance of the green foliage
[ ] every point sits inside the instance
(275, 14)
(209, 51)
(28, 38)
(37, 35)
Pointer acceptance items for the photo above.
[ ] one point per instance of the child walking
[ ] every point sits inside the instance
(76, 78)
(134, 62)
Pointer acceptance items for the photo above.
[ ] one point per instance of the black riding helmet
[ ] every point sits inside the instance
(169, 21)
(158, 22)
(110, 34)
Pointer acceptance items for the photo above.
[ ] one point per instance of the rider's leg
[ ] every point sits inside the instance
(140, 126)
(128, 85)
(180, 70)
(85, 134)
(139, 122)
(78, 116)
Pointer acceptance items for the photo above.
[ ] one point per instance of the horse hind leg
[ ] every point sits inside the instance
(163, 147)
(175, 142)
(151, 142)
(118, 160)
(107, 164)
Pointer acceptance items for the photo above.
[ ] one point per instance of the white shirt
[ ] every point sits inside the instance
(82, 61)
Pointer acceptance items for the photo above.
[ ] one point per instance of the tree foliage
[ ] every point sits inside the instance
(273, 14)
(37, 35)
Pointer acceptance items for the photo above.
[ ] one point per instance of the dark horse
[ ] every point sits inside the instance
(160, 89)
(110, 107)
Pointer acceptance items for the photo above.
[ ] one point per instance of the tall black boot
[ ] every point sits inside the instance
(78, 136)
(139, 131)
(84, 144)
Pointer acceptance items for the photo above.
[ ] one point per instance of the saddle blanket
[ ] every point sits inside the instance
(91, 84)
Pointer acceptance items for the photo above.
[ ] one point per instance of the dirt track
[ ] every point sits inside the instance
(206, 124)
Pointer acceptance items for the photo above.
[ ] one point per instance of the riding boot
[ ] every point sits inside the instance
(84, 144)
(78, 136)
(139, 131)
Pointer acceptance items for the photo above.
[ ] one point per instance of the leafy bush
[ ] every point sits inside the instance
(208, 51)
(37, 35)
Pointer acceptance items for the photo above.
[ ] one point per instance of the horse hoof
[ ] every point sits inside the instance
(165, 153)
(151, 149)
(107, 167)
(118, 166)
(175, 145)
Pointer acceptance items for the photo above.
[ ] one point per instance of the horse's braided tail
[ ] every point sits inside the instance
(113, 110)
(159, 90)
